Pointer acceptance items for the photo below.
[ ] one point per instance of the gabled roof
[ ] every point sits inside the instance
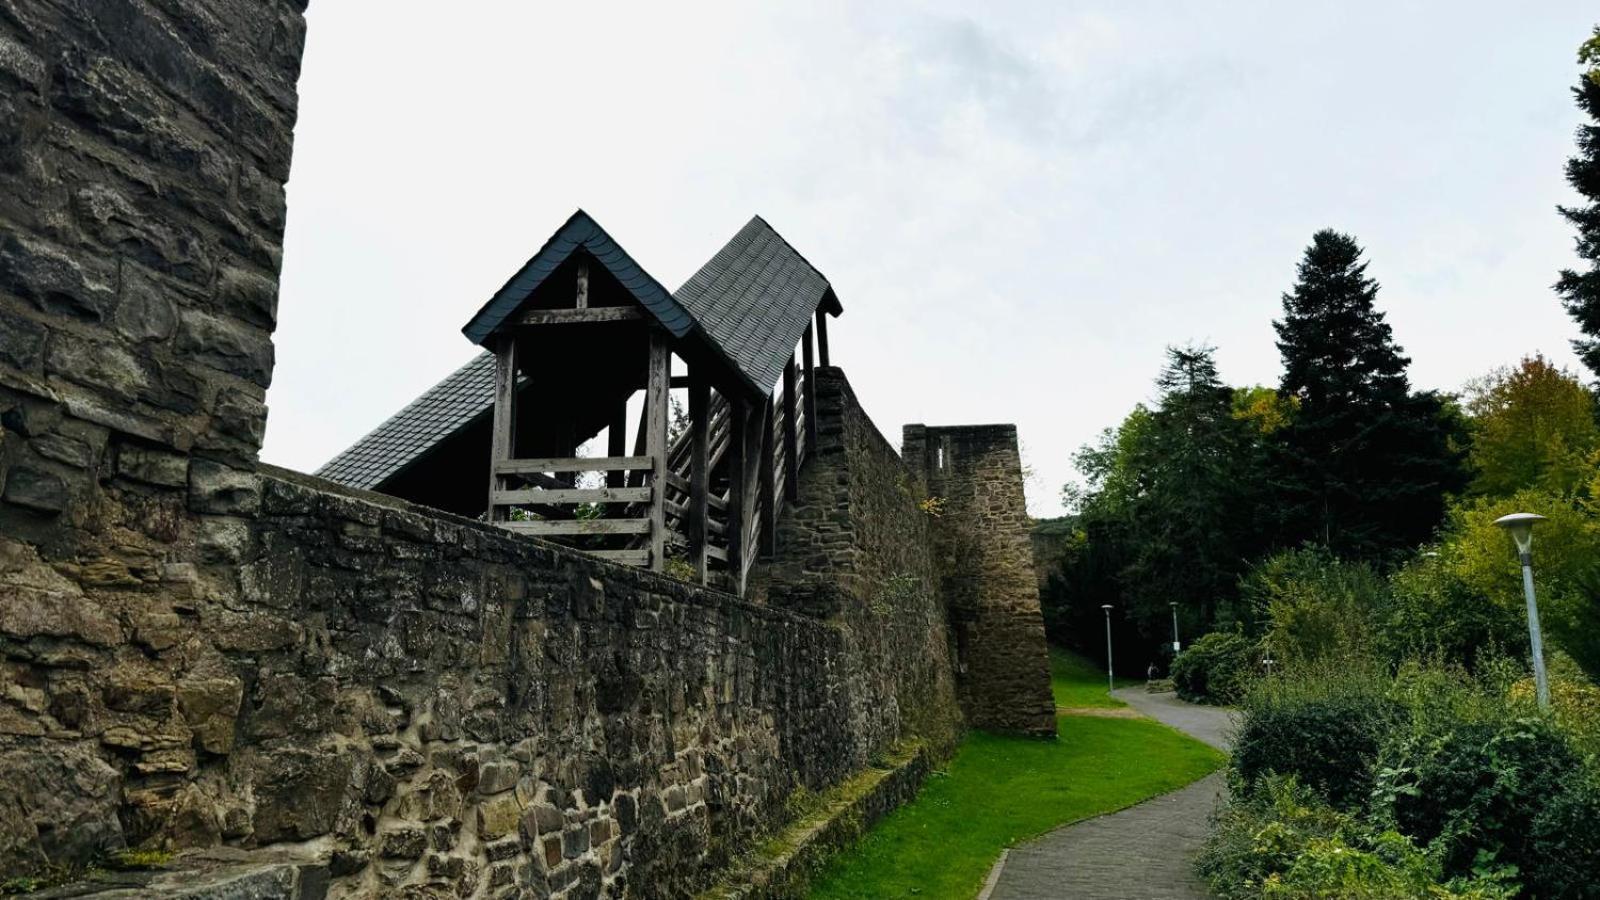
(579, 233)
(751, 303)
(754, 300)
(440, 412)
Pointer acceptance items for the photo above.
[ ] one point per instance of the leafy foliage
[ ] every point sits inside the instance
(1509, 795)
(1217, 668)
(1282, 840)
(1315, 605)
(1533, 427)
(1324, 725)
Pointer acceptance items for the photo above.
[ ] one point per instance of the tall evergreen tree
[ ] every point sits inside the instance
(1364, 464)
(1580, 290)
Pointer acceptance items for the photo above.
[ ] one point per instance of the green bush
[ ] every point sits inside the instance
(1217, 668)
(1323, 726)
(1315, 604)
(1433, 611)
(1281, 840)
(1509, 794)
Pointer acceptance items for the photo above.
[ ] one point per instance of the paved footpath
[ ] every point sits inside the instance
(1145, 852)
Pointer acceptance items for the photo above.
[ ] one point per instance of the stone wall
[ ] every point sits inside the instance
(855, 551)
(417, 699)
(980, 539)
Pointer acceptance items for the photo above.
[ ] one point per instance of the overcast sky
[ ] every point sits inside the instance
(1018, 210)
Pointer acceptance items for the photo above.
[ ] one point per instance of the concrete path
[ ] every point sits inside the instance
(1145, 852)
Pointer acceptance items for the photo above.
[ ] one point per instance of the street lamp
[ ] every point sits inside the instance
(1268, 662)
(1521, 527)
(1110, 681)
(1175, 646)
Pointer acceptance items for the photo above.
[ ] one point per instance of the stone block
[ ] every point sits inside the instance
(36, 489)
(227, 345)
(58, 281)
(153, 466)
(210, 706)
(21, 342)
(223, 490)
(301, 794)
(403, 843)
(71, 793)
(498, 816)
(102, 366)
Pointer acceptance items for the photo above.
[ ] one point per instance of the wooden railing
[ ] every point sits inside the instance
(542, 497)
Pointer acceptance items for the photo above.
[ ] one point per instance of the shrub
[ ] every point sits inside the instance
(1315, 605)
(1281, 840)
(1322, 725)
(1434, 612)
(1511, 794)
(1217, 668)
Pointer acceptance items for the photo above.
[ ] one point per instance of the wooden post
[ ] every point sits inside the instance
(822, 337)
(810, 383)
(767, 506)
(583, 286)
(503, 441)
(738, 518)
(655, 403)
(699, 469)
(617, 441)
(636, 477)
(791, 465)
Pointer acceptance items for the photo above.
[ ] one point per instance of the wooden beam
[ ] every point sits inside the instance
(582, 301)
(636, 475)
(768, 512)
(503, 442)
(626, 557)
(658, 378)
(575, 495)
(699, 469)
(617, 442)
(738, 513)
(581, 526)
(791, 476)
(822, 337)
(581, 316)
(810, 388)
(572, 464)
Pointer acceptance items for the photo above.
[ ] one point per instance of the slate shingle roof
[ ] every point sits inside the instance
(751, 301)
(441, 410)
(754, 299)
(580, 231)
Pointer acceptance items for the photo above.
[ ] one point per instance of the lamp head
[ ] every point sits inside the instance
(1106, 607)
(1520, 525)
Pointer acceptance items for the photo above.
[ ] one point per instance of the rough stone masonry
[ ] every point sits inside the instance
(197, 651)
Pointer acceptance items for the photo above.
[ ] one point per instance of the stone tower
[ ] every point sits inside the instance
(984, 561)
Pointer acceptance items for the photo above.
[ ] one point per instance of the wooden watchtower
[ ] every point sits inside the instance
(582, 335)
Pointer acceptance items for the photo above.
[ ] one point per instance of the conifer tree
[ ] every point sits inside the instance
(1580, 289)
(1364, 464)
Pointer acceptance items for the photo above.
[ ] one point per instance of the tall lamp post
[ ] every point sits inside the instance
(1110, 679)
(1520, 525)
(1175, 645)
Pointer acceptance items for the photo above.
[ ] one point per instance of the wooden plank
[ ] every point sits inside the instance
(738, 517)
(575, 495)
(791, 479)
(808, 389)
(580, 526)
(503, 440)
(768, 515)
(617, 442)
(572, 464)
(626, 557)
(583, 285)
(587, 316)
(717, 553)
(699, 470)
(720, 504)
(822, 337)
(677, 481)
(658, 378)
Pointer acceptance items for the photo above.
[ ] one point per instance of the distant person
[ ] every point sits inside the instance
(1151, 673)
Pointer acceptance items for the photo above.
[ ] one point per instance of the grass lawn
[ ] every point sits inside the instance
(998, 791)
(1077, 682)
